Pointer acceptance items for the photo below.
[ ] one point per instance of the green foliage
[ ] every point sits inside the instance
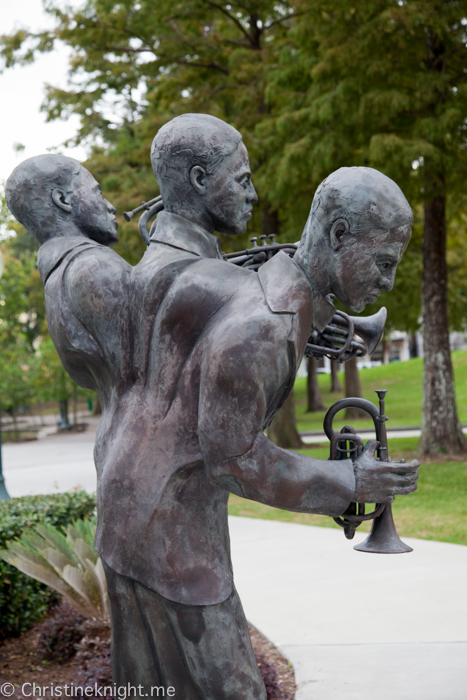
(22, 600)
(30, 369)
(149, 62)
(308, 95)
(386, 87)
(67, 564)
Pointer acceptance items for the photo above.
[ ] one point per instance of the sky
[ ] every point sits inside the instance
(22, 92)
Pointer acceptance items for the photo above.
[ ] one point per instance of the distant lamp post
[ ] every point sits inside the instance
(4, 495)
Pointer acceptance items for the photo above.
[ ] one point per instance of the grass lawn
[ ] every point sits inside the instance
(437, 511)
(403, 380)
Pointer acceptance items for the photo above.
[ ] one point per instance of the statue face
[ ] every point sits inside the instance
(230, 194)
(365, 265)
(91, 212)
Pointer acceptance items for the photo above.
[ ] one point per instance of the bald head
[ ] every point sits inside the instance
(54, 196)
(359, 227)
(187, 141)
(29, 192)
(364, 197)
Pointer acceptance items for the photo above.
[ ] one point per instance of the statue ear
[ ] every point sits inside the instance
(61, 199)
(198, 179)
(339, 229)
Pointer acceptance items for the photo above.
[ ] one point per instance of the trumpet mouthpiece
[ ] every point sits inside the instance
(127, 215)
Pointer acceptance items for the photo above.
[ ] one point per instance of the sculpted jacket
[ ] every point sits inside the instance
(191, 357)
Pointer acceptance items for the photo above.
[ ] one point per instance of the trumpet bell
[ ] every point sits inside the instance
(370, 328)
(383, 538)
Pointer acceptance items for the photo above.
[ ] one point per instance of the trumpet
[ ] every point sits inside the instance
(383, 538)
(149, 209)
(346, 336)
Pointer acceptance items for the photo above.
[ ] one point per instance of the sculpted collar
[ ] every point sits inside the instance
(285, 284)
(52, 252)
(179, 232)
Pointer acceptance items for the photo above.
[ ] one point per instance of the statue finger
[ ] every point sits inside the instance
(398, 468)
(403, 479)
(370, 448)
(404, 491)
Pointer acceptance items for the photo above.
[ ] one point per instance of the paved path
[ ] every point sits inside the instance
(354, 625)
(367, 434)
(56, 463)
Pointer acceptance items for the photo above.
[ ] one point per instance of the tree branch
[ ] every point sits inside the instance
(126, 49)
(230, 16)
(212, 64)
(286, 17)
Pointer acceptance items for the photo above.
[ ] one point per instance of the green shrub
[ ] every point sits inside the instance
(23, 600)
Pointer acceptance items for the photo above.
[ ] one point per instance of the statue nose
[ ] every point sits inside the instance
(386, 282)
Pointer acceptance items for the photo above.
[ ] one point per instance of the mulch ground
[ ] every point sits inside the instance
(20, 663)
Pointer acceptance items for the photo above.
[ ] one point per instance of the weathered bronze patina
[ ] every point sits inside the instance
(191, 357)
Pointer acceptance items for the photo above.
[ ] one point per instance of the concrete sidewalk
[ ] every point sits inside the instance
(56, 463)
(354, 625)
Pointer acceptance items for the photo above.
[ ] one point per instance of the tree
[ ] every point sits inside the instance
(353, 388)
(388, 88)
(151, 61)
(30, 369)
(314, 400)
(16, 375)
(283, 431)
(335, 383)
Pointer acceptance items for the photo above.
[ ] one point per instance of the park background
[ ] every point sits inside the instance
(312, 87)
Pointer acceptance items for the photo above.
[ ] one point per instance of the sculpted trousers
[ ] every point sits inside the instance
(204, 652)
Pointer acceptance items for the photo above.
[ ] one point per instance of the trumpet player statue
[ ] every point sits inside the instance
(192, 357)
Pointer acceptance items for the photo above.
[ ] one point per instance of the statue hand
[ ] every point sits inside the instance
(379, 482)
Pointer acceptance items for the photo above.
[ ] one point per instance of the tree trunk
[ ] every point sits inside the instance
(385, 352)
(15, 423)
(335, 383)
(314, 400)
(269, 221)
(97, 410)
(413, 348)
(41, 412)
(353, 389)
(441, 431)
(64, 419)
(75, 405)
(283, 431)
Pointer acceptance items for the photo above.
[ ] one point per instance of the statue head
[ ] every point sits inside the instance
(357, 231)
(202, 168)
(55, 196)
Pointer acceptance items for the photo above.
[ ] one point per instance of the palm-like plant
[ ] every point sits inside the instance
(68, 564)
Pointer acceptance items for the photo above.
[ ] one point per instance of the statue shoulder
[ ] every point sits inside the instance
(53, 252)
(285, 286)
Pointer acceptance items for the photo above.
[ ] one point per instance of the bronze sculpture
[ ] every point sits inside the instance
(191, 358)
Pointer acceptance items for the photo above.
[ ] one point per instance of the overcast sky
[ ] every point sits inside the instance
(22, 92)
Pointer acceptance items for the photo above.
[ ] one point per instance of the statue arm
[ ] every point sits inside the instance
(237, 387)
